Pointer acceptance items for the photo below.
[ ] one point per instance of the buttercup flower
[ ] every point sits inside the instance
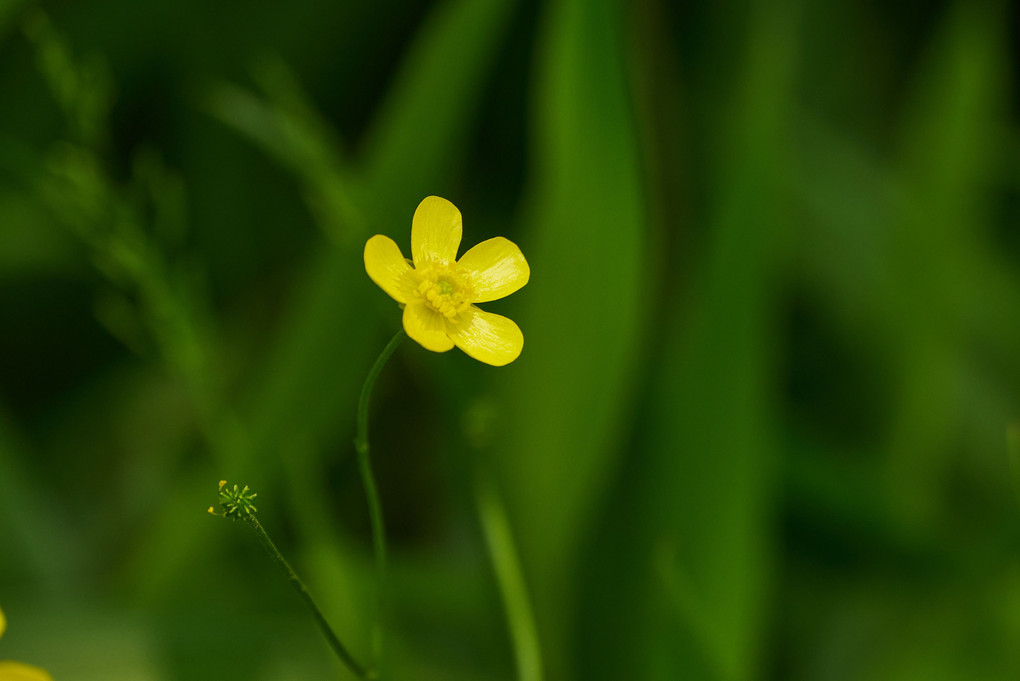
(15, 671)
(438, 292)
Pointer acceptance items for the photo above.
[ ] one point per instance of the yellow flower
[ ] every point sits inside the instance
(15, 671)
(438, 293)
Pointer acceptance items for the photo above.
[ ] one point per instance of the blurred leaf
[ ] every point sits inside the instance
(939, 244)
(30, 529)
(32, 245)
(8, 10)
(424, 125)
(583, 310)
(82, 87)
(706, 484)
(80, 640)
(287, 126)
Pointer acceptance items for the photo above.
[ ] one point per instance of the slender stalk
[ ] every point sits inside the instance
(299, 586)
(510, 578)
(371, 489)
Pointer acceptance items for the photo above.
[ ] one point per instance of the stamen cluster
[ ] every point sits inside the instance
(445, 289)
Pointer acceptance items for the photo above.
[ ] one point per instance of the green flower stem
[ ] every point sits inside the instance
(368, 479)
(299, 586)
(510, 578)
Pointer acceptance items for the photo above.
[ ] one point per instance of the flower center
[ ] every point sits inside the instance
(445, 289)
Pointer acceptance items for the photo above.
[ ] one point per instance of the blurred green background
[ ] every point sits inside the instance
(758, 430)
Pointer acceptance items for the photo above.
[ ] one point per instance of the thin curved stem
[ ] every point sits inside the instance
(368, 480)
(295, 581)
(510, 577)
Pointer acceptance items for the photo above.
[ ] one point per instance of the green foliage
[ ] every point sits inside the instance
(757, 429)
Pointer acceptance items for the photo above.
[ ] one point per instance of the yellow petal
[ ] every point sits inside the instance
(3, 622)
(427, 327)
(387, 267)
(497, 269)
(435, 231)
(488, 337)
(15, 671)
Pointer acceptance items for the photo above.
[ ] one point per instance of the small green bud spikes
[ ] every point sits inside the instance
(235, 503)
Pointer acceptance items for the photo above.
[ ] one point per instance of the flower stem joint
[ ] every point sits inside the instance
(236, 503)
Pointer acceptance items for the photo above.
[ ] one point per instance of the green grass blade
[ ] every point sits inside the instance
(709, 493)
(424, 123)
(582, 312)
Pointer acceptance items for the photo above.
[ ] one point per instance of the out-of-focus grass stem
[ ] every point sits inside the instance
(510, 578)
